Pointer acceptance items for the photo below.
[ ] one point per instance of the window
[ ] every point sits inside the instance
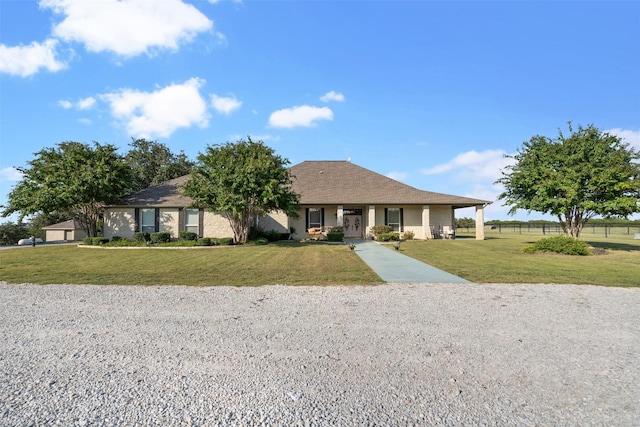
(394, 218)
(315, 218)
(148, 220)
(352, 212)
(191, 220)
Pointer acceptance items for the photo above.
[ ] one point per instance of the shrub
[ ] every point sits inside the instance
(116, 238)
(381, 229)
(334, 236)
(336, 229)
(259, 241)
(204, 241)
(225, 241)
(160, 237)
(408, 235)
(141, 237)
(94, 241)
(271, 235)
(188, 235)
(560, 245)
(386, 237)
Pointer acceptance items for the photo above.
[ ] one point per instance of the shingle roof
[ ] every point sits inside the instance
(168, 194)
(319, 182)
(71, 224)
(342, 182)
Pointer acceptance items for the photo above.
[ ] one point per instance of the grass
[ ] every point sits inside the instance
(276, 263)
(499, 259)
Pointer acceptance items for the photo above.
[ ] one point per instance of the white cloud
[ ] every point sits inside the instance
(67, 105)
(225, 105)
(81, 104)
(129, 27)
(10, 174)
(86, 103)
(303, 115)
(332, 96)
(473, 166)
(25, 61)
(631, 137)
(398, 176)
(160, 113)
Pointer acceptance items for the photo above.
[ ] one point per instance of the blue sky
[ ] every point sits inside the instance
(431, 93)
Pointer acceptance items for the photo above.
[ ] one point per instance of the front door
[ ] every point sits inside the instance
(352, 224)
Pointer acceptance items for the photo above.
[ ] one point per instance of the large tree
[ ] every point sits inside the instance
(73, 178)
(153, 163)
(242, 181)
(574, 178)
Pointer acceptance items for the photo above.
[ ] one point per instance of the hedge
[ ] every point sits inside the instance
(335, 236)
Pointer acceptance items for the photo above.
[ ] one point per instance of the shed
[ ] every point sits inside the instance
(68, 230)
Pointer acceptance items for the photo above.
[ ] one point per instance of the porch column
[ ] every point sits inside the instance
(371, 220)
(426, 222)
(340, 216)
(479, 222)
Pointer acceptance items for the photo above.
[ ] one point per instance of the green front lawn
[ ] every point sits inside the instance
(501, 260)
(276, 263)
(495, 260)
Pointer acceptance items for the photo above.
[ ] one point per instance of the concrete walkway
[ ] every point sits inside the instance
(393, 266)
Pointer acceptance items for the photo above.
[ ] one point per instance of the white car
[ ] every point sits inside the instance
(27, 242)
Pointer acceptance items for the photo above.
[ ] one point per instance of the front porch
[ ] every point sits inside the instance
(424, 221)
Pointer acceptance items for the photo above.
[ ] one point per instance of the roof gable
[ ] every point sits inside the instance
(167, 194)
(342, 182)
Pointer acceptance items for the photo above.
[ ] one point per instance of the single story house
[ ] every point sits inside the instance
(332, 194)
(67, 230)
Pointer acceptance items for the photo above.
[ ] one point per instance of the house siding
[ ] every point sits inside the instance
(215, 225)
(278, 221)
(54, 235)
(119, 222)
(169, 221)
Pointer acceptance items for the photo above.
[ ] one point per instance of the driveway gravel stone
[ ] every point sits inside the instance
(394, 354)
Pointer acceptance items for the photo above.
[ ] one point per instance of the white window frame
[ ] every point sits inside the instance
(192, 214)
(317, 224)
(395, 226)
(147, 227)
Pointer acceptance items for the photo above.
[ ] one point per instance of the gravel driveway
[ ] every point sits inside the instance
(395, 354)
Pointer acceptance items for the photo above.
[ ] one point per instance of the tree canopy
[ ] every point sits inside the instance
(153, 163)
(73, 178)
(242, 181)
(574, 178)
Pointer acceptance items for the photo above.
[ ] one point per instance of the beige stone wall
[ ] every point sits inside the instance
(412, 216)
(278, 221)
(441, 217)
(170, 221)
(299, 225)
(215, 225)
(119, 222)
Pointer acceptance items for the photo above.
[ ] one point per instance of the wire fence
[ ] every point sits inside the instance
(604, 230)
